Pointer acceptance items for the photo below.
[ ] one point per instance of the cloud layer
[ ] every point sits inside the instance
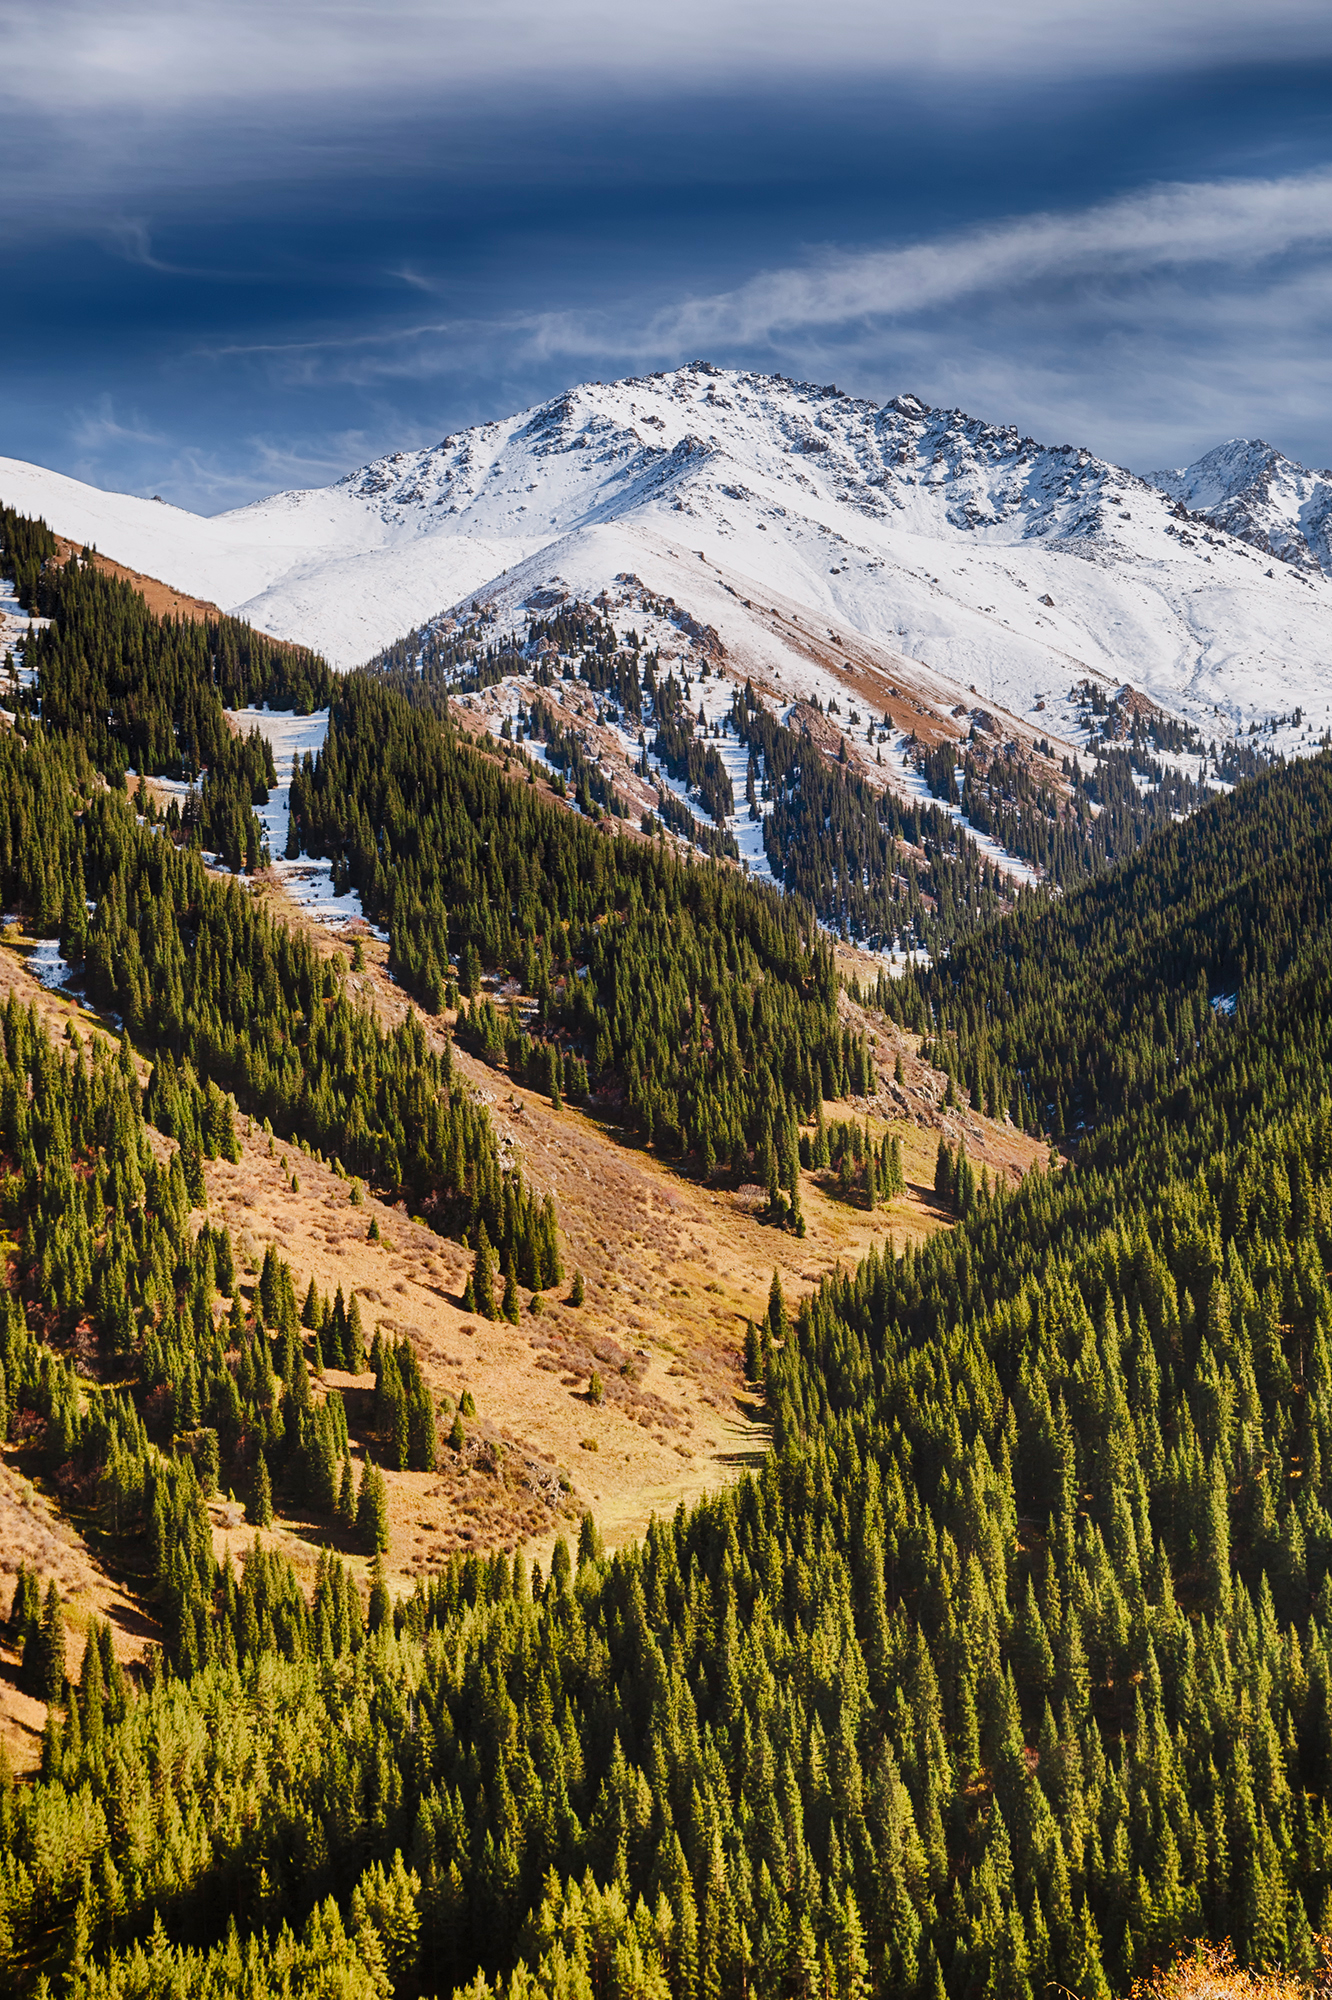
(1145, 325)
(1233, 226)
(157, 55)
(257, 243)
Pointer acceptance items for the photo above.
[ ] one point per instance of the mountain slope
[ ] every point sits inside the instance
(989, 559)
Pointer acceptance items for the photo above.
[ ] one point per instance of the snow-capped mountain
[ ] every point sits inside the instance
(1256, 492)
(800, 523)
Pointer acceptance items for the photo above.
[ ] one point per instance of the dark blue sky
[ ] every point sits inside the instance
(240, 257)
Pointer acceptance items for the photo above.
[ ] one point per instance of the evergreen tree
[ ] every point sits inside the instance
(372, 1509)
(510, 1306)
(483, 1279)
(260, 1510)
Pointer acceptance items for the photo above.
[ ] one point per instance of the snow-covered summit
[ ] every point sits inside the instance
(1254, 491)
(1006, 566)
(603, 448)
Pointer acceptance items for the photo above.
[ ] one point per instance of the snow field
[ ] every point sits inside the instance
(45, 964)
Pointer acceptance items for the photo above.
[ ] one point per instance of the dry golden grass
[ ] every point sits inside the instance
(1210, 1972)
(672, 1268)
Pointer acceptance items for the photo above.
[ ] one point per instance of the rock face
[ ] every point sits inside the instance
(1250, 489)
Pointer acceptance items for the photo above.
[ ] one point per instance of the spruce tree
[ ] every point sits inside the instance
(44, 1653)
(372, 1524)
(380, 1611)
(483, 1276)
(260, 1510)
(776, 1317)
(510, 1306)
(347, 1495)
(355, 1359)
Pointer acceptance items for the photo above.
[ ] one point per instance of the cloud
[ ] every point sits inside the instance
(1231, 226)
(160, 55)
(130, 239)
(420, 352)
(1148, 327)
(1179, 268)
(415, 280)
(206, 478)
(95, 428)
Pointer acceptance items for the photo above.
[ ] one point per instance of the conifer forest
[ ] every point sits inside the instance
(1008, 1669)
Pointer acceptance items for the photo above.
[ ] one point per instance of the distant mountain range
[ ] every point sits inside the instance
(1003, 565)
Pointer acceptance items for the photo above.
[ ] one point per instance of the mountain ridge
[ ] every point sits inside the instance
(962, 545)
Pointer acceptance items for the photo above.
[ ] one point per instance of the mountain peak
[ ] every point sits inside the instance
(984, 554)
(1251, 489)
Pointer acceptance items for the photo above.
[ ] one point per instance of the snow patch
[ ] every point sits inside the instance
(46, 964)
(308, 880)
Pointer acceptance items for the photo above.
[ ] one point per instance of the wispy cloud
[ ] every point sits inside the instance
(1150, 268)
(1148, 326)
(130, 239)
(1233, 226)
(161, 54)
(331, 343)
(94, 428)
(1185, 284)
(204, 477)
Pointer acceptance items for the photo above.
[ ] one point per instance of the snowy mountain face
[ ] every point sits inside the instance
(1255, 492)
(813, 531)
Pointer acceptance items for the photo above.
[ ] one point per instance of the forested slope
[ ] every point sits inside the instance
(1013, 1664)
(1082, 1010)
(703, 1007)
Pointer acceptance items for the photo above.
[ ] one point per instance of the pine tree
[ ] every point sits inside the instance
(45, 1675)
(260, 1510)
(483, 1279)
(380, 1612)
(347, 1494)
(752, 1352)
(776, 1320)
(372, 1509)
(510, 1306)
(355, 1357)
